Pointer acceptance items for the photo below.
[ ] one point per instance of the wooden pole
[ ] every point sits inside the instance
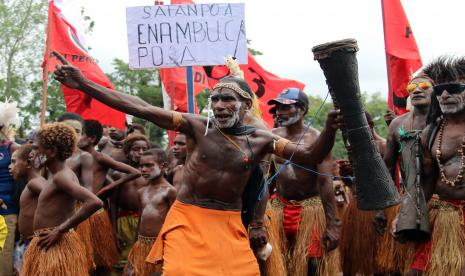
(45, 69)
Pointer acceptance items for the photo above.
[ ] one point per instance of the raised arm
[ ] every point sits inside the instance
(130, 173)
(91, 204)
(325, 187)
(72, 77)
(305, 153)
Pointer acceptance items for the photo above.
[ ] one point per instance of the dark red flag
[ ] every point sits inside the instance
(402, 55)
(65, 38)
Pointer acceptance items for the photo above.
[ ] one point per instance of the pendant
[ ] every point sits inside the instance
(246, 159)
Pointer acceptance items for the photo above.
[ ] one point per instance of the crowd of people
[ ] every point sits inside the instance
(232, 197)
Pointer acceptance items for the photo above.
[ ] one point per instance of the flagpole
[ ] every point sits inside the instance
(190, 89)
(390, 90)
(45, 69)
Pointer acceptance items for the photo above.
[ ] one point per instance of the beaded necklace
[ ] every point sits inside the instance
(461, 172)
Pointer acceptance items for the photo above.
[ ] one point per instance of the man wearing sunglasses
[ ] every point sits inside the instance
(404, 132)
(443, 142)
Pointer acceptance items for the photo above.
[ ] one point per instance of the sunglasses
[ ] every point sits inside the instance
(421, 85)
(452, 88)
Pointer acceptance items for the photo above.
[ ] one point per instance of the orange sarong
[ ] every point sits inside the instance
(200, 241)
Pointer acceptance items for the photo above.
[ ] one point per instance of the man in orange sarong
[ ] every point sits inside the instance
(203, 233)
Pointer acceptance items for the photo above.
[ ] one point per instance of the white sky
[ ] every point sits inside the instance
(285, 31)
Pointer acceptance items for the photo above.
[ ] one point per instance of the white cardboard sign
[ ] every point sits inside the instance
(164, 36)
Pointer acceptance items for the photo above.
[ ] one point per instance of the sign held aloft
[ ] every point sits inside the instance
(164, 36)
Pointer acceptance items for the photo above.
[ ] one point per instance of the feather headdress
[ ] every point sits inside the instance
(236, 71)
(8, 118)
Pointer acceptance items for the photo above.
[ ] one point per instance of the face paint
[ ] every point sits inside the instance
(39, 161)
(451, 103)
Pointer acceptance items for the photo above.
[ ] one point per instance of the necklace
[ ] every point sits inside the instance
(461, 172)
(246, 156)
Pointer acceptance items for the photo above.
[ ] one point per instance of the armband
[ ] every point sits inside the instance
(279, 145)
(177, 120)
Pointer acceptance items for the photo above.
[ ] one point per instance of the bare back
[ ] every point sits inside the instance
(81, 163)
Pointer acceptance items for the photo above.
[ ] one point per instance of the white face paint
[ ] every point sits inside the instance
(39, 160)
(228, 119)
(451, 103)
(285, 122)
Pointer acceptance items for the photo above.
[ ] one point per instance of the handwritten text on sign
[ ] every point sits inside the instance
(183, 35)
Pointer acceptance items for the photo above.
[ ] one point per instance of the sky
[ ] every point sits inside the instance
(286, 32)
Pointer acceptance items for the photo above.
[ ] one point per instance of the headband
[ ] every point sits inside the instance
(234, 87)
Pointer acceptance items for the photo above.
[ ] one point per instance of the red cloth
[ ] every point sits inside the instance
(424, 250)
(402, 55)
(291, 224)
(62, 38)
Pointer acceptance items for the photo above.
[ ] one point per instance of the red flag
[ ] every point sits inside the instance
(174, 80)
(66, 39)
(402, 55)
(266, 85)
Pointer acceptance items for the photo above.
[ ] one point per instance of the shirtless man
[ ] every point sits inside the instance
(22, 167)
(56, 249)
(312, 195)
(215, 174)
(81, 163)
(102, 162)
(155, 200)
(124, 202)
(102, 236)
(179, 152)
(443, 143)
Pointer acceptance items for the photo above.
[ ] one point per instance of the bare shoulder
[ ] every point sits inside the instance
(279, 131)
(37, 184)
(65, 177)
(399, 120)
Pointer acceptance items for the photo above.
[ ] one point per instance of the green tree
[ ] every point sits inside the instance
(373, 103)
(22, 40)
(144, 84)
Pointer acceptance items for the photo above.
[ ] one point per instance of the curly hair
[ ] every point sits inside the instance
(131, 139)
(59, 136)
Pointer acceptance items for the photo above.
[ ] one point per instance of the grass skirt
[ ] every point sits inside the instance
(103, 240)
(358, 242)
(275, 265)
(66, 257)
(445, 253)
(394, 256)
(136, 265)
(311, 227)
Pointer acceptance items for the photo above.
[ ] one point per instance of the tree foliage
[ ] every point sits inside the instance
(22, 40)
(374, 104)
(144, 84)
